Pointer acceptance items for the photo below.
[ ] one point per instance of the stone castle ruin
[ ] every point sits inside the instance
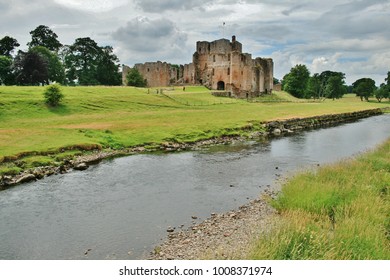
(219, 65)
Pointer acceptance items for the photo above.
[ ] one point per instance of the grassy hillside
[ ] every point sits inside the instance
(123, 116)
(343, 214)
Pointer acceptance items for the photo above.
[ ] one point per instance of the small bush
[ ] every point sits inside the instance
(53, 95)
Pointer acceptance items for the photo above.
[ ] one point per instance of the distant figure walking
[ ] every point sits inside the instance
(184, 88)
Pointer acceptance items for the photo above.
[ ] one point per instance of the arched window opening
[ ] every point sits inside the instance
(221, 85)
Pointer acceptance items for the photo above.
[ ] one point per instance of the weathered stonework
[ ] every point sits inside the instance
(156, 74)
(218, 65)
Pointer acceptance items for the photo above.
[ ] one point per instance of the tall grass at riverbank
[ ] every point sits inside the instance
(341, 212)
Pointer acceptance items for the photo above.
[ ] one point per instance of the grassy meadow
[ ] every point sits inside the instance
(119, 117)
(342, 212)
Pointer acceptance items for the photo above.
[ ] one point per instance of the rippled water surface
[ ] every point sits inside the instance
(121, 208)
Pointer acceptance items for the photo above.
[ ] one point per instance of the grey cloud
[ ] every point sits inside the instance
(164, 5)
(293, 9)
(143, 39)
(264, 32)
(356, 19)
(143, 34)
(4, 6)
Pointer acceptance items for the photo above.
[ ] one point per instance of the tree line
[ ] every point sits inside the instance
(329, 84)
(47, 60)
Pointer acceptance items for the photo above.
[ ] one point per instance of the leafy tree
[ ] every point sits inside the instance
(107, 70)
(6, 74)
(296, 81)
(45, 37)
(335, 87)
(387, 79)
(326, 75)
(7, 45)
(81, 61)
(53, 95)
(315, 87)
(382, 92)
(135, 79)
(90, 64)
(31, 68)
(55, 69)
(364, 88)
(319, 85)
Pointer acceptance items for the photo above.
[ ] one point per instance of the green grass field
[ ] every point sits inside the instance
(120, 117)
(340, 212)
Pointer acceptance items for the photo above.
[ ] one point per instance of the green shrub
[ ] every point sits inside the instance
(53, 95)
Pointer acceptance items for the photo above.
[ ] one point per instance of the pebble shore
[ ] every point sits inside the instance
(222, 236)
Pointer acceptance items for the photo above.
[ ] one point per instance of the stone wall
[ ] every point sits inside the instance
(218, 65)
(157, 73)
(221, 65)
(296, 124)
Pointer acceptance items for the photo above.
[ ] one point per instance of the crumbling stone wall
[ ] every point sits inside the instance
(157, 73)
(221, 65)
(218, 65)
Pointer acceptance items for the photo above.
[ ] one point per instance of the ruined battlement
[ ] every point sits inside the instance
(218, 65)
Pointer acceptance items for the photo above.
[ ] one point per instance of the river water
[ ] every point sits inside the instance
(121, 208)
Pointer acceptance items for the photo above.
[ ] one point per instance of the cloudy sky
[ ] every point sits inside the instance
(350, 36)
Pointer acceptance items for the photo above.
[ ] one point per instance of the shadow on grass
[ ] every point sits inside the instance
(61, 109)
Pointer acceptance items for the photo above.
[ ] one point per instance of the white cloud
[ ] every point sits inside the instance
(92, 5)
(164, 5)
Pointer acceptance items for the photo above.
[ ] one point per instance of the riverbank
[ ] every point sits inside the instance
(342, 215)
(124, 118)
(252, 131)
(224, 236)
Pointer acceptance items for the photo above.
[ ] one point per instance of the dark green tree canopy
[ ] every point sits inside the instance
(382, 92)
(90, 64)
(81, 61)
(335, 88)
(45, 37)
(364, 88)
(7, 45)
(55, 69)
(31, 68)
(315, 87)
(107, 71)
(296, 81)
(6, 74)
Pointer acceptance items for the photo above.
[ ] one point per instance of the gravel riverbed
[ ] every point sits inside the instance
(222, 236)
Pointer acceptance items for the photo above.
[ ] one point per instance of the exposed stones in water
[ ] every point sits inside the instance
(277, 131)
(81, 166)
(26, 178)
(170, 229)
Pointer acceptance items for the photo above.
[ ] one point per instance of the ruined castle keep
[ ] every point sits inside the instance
(219, 65)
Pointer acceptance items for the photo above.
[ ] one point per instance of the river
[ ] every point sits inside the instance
(121, 208)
